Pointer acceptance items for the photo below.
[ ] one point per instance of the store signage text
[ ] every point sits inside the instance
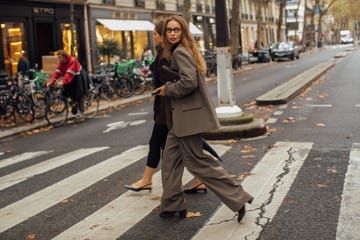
(39, 10)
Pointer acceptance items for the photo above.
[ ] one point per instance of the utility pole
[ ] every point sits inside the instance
(226, 96)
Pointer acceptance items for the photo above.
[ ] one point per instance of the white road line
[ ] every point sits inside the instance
(26, 173)
(269, 174)
(139, 113)
(122, 213)
(349, 218)
(21, 157)
(271, 121)
(357, 105)
(320, 105)
(25, 208)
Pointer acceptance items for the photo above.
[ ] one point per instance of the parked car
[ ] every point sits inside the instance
(262, 55)
(284, 50)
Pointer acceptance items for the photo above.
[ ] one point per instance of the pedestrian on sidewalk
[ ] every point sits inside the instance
(189, 113)
(160, 129)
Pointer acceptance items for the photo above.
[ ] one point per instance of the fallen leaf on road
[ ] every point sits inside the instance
(65, 201)
(332, 170)
(31, 236)
(242, 176)
(156, 198)
(192, 214)
(319, 124)
(320, 185)
(247, 156)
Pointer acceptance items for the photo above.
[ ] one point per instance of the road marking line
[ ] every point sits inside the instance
(357, 105)
(349, 218)
(271, 121)
(31, 205)
(21, 157)
(320, 105)
(29, 172)
(123, 212)
(276, 172)
(139, 113)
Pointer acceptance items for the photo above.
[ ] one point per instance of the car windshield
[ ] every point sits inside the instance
(284, 45)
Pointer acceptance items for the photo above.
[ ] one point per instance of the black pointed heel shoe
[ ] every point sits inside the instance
(173, 215)
(196, 189)
(241, 212)
(137, 189)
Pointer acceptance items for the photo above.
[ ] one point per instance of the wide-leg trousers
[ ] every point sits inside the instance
(188, 152)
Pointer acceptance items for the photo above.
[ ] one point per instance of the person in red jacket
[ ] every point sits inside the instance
(70, 75)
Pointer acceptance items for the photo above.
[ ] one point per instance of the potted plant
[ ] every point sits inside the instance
(109, 48)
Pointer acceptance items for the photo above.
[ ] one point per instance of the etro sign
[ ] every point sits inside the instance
(39, 10)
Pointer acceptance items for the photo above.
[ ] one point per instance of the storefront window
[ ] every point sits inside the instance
(139, 40)
(13, 35)
(67, 37)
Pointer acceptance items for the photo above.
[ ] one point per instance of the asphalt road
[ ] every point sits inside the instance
(298, 172)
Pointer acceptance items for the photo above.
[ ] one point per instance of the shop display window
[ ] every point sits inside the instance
(67, 37)
(14, 43)
(140, 39)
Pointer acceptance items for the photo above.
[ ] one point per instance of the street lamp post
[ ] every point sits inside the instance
(226, 97)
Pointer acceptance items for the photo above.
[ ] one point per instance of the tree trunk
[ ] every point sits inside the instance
(234, 27)
(280, 22)
(311, 37)
(186, 10)
(259, 24)
(303, 40)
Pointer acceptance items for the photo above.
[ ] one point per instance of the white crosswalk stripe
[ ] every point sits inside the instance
(284, 156)
(21, 210)
(122, 213)
(22, 157)
(269, 182)
(26, 173)
(349, 218)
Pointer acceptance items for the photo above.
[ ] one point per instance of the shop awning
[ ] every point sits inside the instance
(137, 25)
(194, 30)
(127, 25)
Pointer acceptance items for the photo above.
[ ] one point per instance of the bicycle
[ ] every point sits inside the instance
(33, 89)
(123, 86)
(103, 81)
(58, 106)
(13, 102)
(142, 78)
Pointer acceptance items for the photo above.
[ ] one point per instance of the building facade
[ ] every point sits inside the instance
(38, 28)
(41, 27)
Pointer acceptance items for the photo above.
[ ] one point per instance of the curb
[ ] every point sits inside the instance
(288, 90)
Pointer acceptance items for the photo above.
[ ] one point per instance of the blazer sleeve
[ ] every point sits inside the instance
(183, 62)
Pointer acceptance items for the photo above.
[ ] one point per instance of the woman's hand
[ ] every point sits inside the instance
(160, 91)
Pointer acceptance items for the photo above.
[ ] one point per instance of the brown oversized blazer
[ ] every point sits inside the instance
(190, 109)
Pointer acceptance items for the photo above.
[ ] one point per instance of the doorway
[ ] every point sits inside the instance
(45, 40)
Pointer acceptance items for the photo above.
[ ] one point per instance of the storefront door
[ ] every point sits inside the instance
(45, 40)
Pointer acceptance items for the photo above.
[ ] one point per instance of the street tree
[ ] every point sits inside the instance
(235, 27)
(281, 17)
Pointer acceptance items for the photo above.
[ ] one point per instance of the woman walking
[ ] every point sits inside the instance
(189, 113)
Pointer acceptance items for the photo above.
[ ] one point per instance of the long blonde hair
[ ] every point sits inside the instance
(187, 40)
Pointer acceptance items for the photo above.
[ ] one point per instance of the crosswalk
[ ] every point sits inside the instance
(269, 183)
